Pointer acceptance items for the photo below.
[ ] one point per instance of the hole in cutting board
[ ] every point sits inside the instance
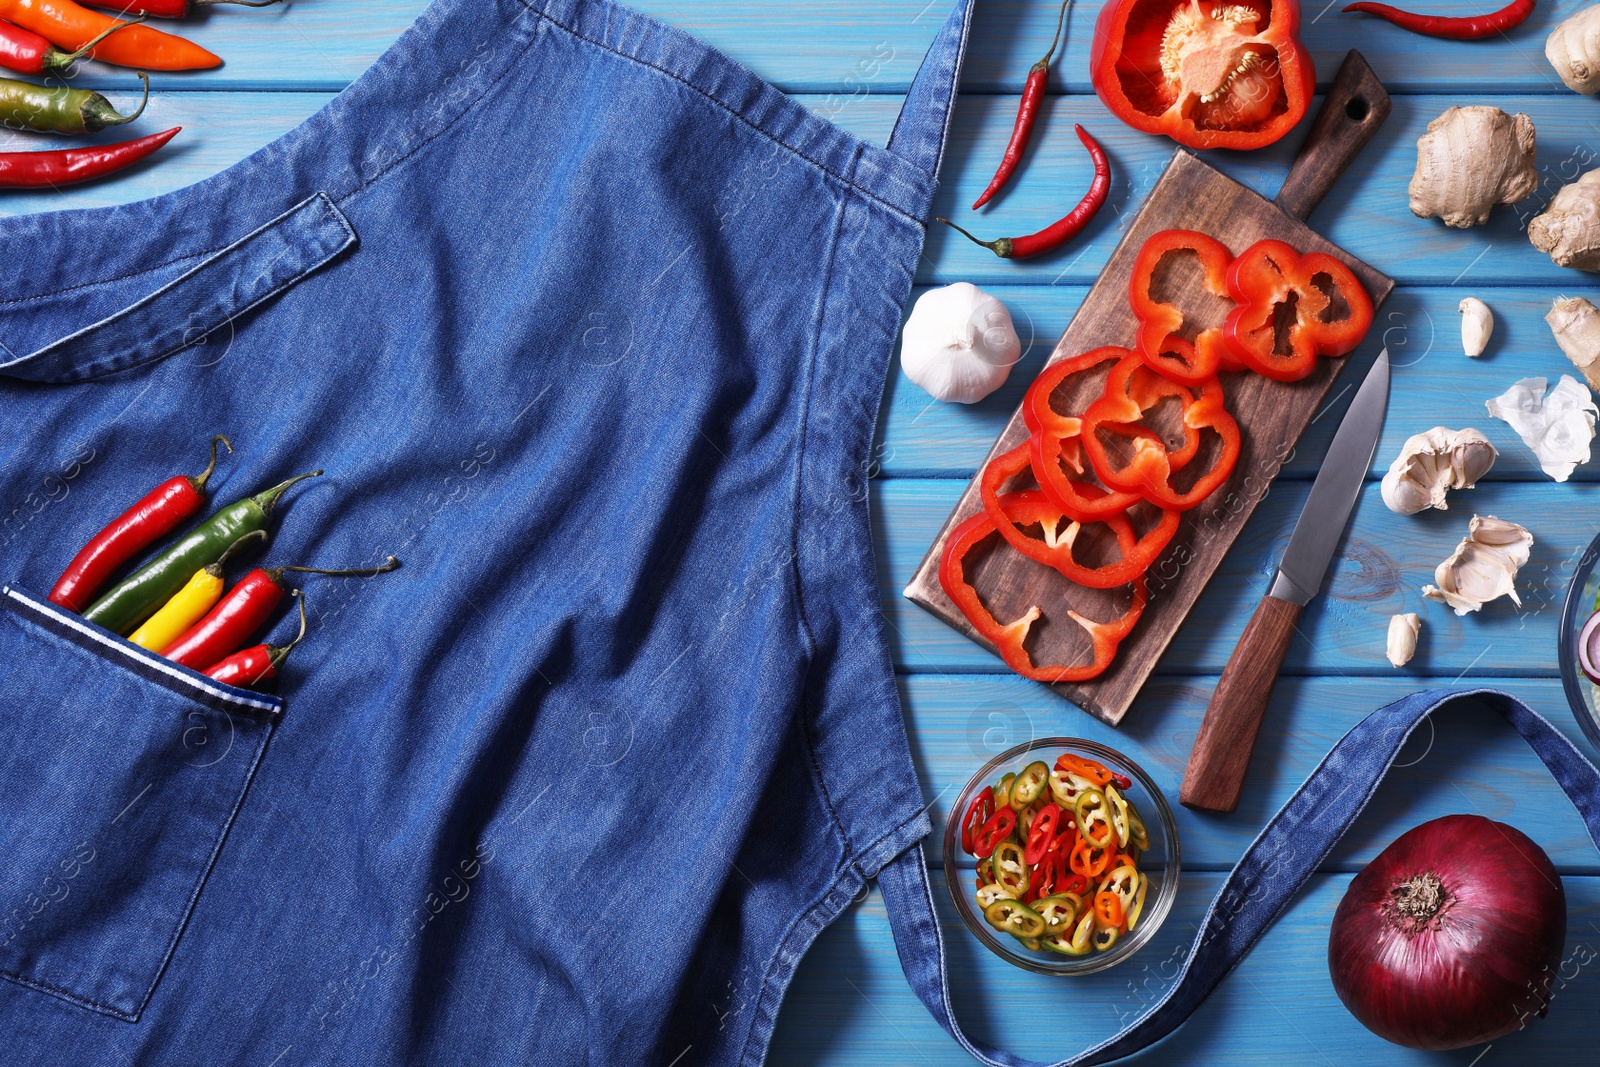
(1357, 108)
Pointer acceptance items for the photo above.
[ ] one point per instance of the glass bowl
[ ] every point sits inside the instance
(1582, 694)
(1159, 863)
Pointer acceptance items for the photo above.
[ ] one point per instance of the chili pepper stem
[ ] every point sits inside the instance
(229, 552)
(281, 652)
(72, 57)
(1061, 21)
(385, 567)
(1000, 246)
(110, 117)
(268, 497)
(199, 480)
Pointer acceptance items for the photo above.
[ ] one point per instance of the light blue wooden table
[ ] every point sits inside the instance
(851, 60)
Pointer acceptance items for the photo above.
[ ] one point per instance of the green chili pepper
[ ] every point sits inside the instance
(1059, 912)
(25, 106)
(1029, 784)
(138, 596)
(1138, 836)
(1010, 872)
(1014, 917)
(1090, 809)
(1002, 792)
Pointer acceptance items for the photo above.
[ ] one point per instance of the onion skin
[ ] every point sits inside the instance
(1475, 970)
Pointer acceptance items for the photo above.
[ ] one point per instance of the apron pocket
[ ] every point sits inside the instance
(120, 774)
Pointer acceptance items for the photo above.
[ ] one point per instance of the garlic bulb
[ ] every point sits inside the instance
(1483, 567)
(1558, 426)
(1569, 229)
(1573, 48)
(1433, 462)
(1576, 325)
(1402, 643)
(1469, 160)
(1477, 324)
(959, 343)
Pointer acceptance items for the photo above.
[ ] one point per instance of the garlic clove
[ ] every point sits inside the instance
(1558, 425)
(1431, 463)
(1573, 48)
(959, 343)
(1402, 642)
(1575, 323)
(1483, 567)
(1477, 323)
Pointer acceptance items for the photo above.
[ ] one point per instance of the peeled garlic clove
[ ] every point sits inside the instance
(1483, 567)
(1576, 325)
(1558, 425)
(959, 343)
(1469, 160)
(1569, 229)
(1477, 323)
(1431, 463)
(1403, 631)
(1573, 48)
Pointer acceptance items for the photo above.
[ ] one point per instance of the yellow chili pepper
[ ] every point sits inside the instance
(187, 607)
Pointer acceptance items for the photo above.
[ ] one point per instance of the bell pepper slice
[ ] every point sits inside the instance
(1157, 340)
(1150, 468)
(978, 813)
(1041, 834)
(1011, 511)
(1008, 639)
(1212, 74)
(1271, 283)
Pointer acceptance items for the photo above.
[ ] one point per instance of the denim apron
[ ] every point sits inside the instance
(589, 326)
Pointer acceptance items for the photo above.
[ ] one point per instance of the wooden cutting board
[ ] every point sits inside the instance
(1190, 195)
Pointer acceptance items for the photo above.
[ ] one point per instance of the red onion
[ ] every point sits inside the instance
(1589, 648)
(1451, 936)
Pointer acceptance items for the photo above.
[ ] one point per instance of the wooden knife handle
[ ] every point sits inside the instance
(1355, 107)
(1221, 752)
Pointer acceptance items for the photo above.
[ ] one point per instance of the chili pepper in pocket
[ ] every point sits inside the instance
(69, 25)
(174, 9)
(1068, 226)
(135, 598)
(28, 53)
(1468, 28)
(191, 602)
(156, 515)
(246, 608)
(71, 166)
(256, 664)
(25, 106)
(1027, 115)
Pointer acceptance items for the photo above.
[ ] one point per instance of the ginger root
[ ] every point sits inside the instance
(1573, 48)
(1569, 229)
(1469, 160)
(1576, 325)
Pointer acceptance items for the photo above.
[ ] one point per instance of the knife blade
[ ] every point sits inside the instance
(1221, 753)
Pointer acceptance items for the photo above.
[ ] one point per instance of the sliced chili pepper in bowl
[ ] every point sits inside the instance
(1158, 341)
(996, 830)
(978, 813)
(1041, 834)
(1282, 324)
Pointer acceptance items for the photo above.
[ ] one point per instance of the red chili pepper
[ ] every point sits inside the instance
(1149, 470)
(1027, 115)
(1121, 781)
(1469, 28)
(1041, 833)
(1158, 341)
(28, 53)
(1008, 640)
(980, 811)
(243, 611)
(1069, 226)
(1270, 277)
(158, 513)
(69, 166)
(172, 9)
(256, 664)
(1076, 884)
(995, 830)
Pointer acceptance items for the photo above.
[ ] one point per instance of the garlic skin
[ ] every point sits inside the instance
(1469, 160)
(1431, 463)
(959, 343)
(1576, 325)
(1558, 426)
(1569, 229)
(1477, 325)
(1573, 48)
(1483, 567)
(1402, 643)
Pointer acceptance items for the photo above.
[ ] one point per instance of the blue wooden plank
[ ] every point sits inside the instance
(1469, 761)
(849, 1004)
(1435, 384)
(1383, 562)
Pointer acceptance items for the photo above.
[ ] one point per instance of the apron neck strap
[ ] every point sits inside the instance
(924, 122)
(1273, 869)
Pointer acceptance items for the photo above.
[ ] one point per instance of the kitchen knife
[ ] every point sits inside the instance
(1221, 752)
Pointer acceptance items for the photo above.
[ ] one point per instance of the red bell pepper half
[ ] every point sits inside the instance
(1293, 307)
